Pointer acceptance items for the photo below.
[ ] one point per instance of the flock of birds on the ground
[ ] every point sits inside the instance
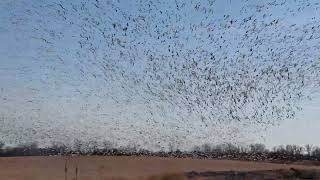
(234, 67)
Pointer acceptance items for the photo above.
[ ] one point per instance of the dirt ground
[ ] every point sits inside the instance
(104, 168)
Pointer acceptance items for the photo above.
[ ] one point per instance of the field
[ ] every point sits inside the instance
(124, 167)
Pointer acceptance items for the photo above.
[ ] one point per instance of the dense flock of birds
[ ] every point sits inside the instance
(213, 70)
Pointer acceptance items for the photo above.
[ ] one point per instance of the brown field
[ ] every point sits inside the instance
(104, 168)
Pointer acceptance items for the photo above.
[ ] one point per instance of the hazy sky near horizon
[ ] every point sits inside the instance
(304, 129)
(51, 92)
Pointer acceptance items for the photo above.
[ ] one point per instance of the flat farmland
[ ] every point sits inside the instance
(131, 167)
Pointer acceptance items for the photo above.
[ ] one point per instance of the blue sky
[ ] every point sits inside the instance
(54, 90)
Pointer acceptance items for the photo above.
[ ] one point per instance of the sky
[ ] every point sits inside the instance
(304, 129)
(102, 71)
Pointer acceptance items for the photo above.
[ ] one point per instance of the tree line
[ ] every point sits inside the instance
(254, 152)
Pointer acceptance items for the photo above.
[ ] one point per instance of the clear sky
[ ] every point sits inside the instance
(55, 84)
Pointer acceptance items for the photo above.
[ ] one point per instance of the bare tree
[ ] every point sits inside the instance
(196, 148)
(77, 145)
(257, 148)
(309, 149)
(294, 149)
(279, 149)
(59, 148)
(206, 148)
(1, 145)
(316, 152)
(107, 145)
